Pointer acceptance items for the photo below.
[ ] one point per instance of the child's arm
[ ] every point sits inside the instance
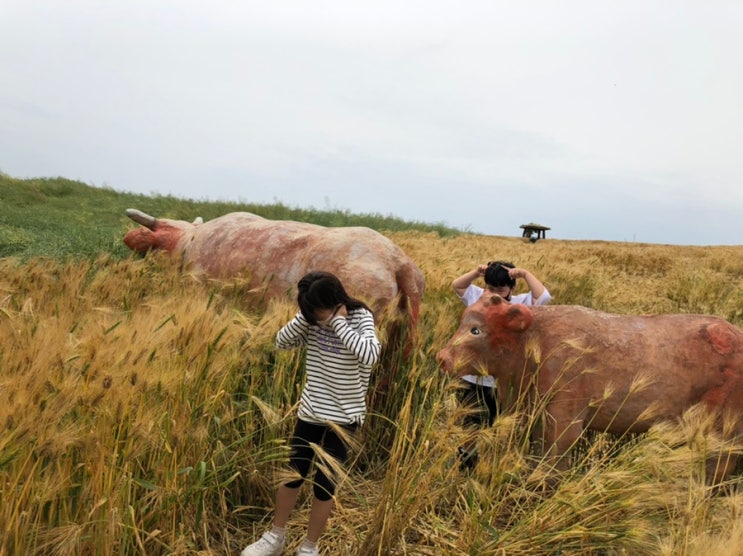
(294, 333)
(364, 344)
(463, 282)
(535, 285)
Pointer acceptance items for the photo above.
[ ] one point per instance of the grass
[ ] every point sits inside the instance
(56, 217)
(145, 412)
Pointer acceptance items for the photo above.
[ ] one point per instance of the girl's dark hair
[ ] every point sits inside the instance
(323, 290)
(496, 275)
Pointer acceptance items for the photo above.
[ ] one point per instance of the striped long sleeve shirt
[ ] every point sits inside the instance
(338, 364)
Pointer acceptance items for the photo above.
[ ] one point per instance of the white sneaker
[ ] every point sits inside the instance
(270, 544)
(305, 551)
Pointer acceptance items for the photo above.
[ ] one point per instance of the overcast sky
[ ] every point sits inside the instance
(612, 120)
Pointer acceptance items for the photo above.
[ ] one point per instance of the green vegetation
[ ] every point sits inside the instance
(57, 217)
(143, 411)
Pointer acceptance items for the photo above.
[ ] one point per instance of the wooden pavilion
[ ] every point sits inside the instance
(534, 231)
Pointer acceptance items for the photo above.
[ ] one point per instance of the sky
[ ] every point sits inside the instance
(603, 120)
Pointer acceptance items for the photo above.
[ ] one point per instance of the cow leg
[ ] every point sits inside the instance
(720, 467)
(562, 430)
(722, 464)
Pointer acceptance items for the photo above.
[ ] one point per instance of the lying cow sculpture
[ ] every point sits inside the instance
(605, 372)
(275, 254)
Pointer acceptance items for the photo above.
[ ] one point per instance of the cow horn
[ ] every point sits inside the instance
(142, 218)
(494, 299)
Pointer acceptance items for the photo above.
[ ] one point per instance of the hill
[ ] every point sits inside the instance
(55, 217)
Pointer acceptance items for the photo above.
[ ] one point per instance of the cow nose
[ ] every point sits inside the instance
(444, 360)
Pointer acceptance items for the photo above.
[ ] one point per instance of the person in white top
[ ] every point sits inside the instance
(478, 392)
(342, 347)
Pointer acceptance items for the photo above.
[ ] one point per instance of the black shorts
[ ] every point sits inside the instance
(481, 402)
(302, 454)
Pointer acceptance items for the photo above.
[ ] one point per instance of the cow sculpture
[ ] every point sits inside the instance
(274, 254)
(599, 371)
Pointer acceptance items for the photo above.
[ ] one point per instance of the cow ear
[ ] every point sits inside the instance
(518, 318)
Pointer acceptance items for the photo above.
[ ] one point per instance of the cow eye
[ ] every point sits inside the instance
(474, 331)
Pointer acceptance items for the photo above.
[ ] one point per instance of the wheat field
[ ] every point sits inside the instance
(145, 411)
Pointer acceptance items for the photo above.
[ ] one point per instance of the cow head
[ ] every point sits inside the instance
(155, 233)
(488, 328)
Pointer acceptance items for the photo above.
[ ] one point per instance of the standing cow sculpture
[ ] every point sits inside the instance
(274, 254)
(605, 372)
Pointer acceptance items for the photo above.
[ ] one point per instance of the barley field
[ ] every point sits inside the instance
(144, 411)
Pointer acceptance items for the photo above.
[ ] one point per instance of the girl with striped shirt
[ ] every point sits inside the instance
(342, 347)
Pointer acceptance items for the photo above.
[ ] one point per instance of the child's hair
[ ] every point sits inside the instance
(323, 290)
(496, 275)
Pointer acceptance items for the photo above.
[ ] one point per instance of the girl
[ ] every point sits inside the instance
(342, 347)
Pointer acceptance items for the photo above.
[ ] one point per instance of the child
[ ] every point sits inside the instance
(342, 347)
(479, 392)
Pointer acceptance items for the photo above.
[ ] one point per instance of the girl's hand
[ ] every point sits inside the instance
(324, 316)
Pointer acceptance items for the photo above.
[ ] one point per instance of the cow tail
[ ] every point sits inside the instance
(411, 286)
(409, 296)
(400, 323)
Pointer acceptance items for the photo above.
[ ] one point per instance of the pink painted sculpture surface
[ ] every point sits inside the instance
(601, 371)
(275, 254)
